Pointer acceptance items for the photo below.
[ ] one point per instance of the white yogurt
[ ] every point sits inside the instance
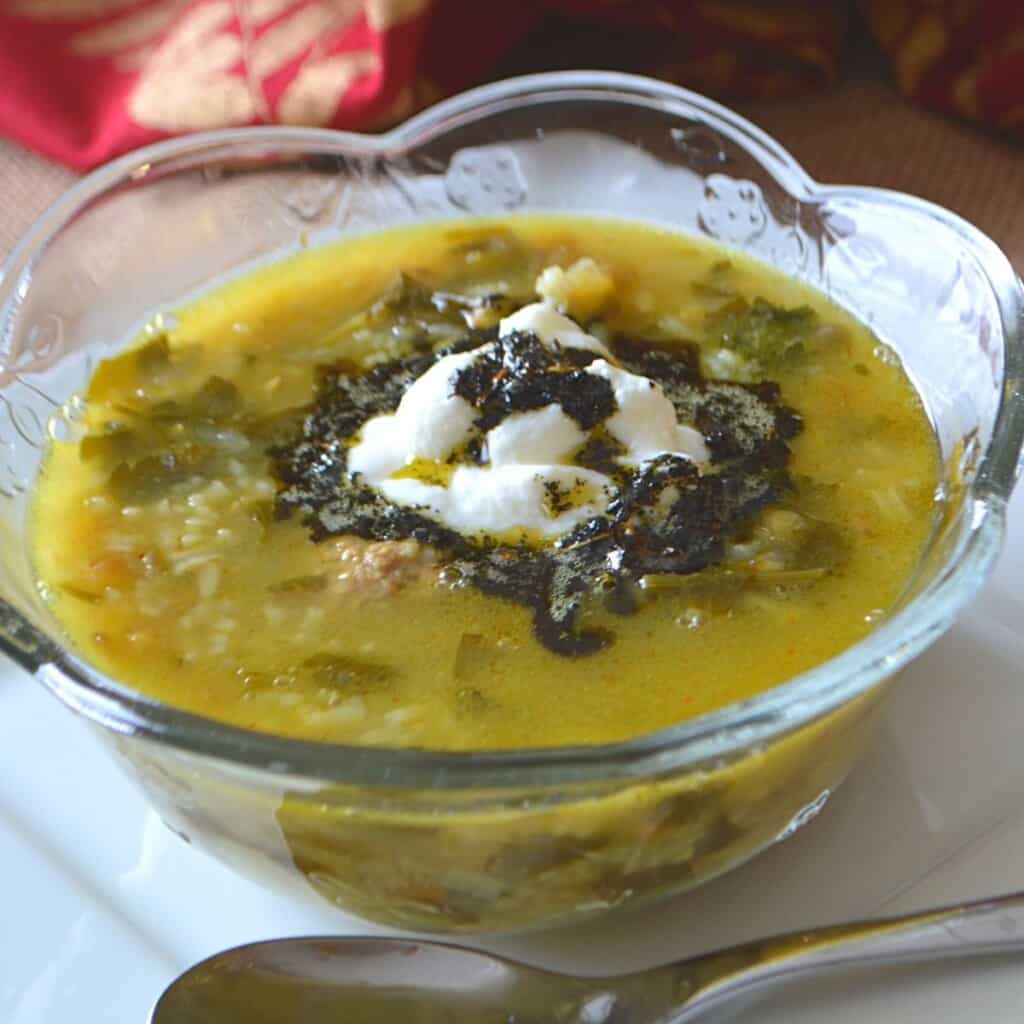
(544, 320)
(527, 454)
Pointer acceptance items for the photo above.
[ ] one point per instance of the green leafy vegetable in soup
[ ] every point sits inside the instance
(496, 484)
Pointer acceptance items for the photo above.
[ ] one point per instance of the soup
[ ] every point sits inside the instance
(532, 482)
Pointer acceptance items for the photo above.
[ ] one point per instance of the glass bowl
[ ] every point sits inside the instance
(493, 841)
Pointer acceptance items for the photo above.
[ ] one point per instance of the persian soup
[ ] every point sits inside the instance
(487, 485)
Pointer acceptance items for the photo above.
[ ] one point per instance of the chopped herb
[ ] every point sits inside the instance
(300, 584)
(471, 702)
(717, 287)
(153, 358)
(116, 444)
(769, 334)
(519, 862)
(216, 401)
(475, 656)
(150, 478)
(80, 593)
(348, 674)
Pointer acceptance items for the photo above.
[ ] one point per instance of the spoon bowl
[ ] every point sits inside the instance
(369, 980)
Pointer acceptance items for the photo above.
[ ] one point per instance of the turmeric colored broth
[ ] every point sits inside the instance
(190, 590)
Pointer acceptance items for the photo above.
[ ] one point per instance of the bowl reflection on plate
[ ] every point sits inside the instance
(501, 840)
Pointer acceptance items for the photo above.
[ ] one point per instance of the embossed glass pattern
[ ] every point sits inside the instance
(136, 238)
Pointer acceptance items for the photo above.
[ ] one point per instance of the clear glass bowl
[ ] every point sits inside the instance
(500, 840)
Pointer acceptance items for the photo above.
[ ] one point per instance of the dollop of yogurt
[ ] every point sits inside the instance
(526, 481)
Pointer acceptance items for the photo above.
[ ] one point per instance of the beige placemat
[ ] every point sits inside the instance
(28, 184)
(864, 133)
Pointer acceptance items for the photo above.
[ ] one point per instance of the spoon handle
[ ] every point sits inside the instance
(994, 925)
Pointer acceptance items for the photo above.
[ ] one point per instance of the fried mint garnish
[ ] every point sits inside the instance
(667, 518)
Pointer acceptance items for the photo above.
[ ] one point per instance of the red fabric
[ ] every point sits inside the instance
(84, 80)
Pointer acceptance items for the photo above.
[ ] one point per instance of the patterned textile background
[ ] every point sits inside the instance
(84, 80)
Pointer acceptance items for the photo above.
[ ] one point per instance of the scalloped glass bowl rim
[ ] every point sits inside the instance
(691, 745)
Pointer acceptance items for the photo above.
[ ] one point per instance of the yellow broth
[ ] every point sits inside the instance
(197, 595)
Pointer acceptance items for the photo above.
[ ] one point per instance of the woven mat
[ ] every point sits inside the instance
(860, 133)
(28, 184)
(864, 133)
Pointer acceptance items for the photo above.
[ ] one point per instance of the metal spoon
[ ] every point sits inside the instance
(398, 981)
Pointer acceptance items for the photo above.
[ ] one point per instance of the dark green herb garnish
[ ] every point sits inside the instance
(557, 498)
(599, 453)
(520, 373)
(667, 518)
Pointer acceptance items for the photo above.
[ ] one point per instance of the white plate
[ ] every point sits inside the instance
(102, 906)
